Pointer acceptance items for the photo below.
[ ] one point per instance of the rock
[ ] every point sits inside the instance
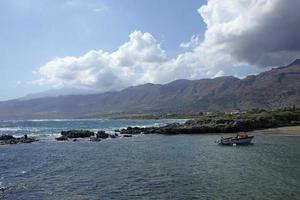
(3, 189)
(26, 139)
(62, 138)
(6, 137)
(74, 140)
(94, 139)
(102, 135)
(127, 135)
(77, 133)
(117, 131)
(9, 139)
(112, 136)
(132, 130)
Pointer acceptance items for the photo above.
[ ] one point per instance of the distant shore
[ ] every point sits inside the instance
(285, 121)
(284, 131)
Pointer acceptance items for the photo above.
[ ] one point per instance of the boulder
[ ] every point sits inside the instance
(62, 138)
(77, 133)
(95, 139)
(26, 139)
(112, 136)
(102, 135)
(132, 130)
(6, 137)
(9, 139)
(127, 135)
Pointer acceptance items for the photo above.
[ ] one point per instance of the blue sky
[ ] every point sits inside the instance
(36, 31)
(47, 44)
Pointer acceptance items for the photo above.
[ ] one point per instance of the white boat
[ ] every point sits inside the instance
(236, 140)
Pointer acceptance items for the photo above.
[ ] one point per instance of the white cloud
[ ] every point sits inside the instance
(103, 70)
(258, 32)
(239, 35)
(194, 42)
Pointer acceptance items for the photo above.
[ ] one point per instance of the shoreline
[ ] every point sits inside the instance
(76, 135)
(279, 131)
(284, 121)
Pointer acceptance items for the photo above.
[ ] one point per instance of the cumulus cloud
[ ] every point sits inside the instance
(258, 32)
(103, 70)
(240, 35)
(194, 42)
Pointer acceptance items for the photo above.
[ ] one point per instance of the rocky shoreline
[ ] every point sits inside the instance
(218, 123)
(195, 126)
(76, 134)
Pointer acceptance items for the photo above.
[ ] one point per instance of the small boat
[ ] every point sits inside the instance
(239, 139)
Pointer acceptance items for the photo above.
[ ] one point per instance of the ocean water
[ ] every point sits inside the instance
(145, 166)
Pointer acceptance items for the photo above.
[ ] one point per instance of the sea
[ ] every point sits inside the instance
(144, 166)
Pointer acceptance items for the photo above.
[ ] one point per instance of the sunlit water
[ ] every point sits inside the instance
(145, 166)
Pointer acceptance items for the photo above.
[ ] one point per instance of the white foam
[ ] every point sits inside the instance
(13, 129)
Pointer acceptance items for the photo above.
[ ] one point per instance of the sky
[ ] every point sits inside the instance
(106, 45)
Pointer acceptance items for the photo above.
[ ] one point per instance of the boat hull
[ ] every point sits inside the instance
(238, 141)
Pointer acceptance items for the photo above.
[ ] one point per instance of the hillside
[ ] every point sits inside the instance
(273, 89)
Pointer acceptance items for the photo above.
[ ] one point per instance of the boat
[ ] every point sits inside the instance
(239, 139)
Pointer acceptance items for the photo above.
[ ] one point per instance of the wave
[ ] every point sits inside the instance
(12, 129)
(51, 120)
(42, 130)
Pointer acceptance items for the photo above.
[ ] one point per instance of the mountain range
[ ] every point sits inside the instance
(272, 89)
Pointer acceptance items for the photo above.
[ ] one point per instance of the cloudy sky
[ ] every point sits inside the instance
(105, 45)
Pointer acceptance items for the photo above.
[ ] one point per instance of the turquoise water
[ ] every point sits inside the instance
(145, 166)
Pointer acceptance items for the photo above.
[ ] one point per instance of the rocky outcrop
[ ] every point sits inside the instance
(102, 135)
(114, 135)
(95, 139)
(221, 125)
(62, 138)
(9, 139)
(132, 130)
(127, 135)
(77, 133)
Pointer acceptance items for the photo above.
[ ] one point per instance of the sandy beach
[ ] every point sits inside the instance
(282, 131)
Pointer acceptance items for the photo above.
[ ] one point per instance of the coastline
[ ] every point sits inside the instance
(285, 121)
(280, 131)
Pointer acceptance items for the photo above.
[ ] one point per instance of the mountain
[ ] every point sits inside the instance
(57, 93)
(269, 90)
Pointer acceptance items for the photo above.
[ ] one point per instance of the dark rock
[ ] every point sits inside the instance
(6, 137)
(74, 140)
(77, 133)
(3, 189)
(62, 138)
(132, 130)
(9, 139)
(94, 139)
(26, 139)
(102, 135)
(117, 131)
(112, 136)
(127, 135)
